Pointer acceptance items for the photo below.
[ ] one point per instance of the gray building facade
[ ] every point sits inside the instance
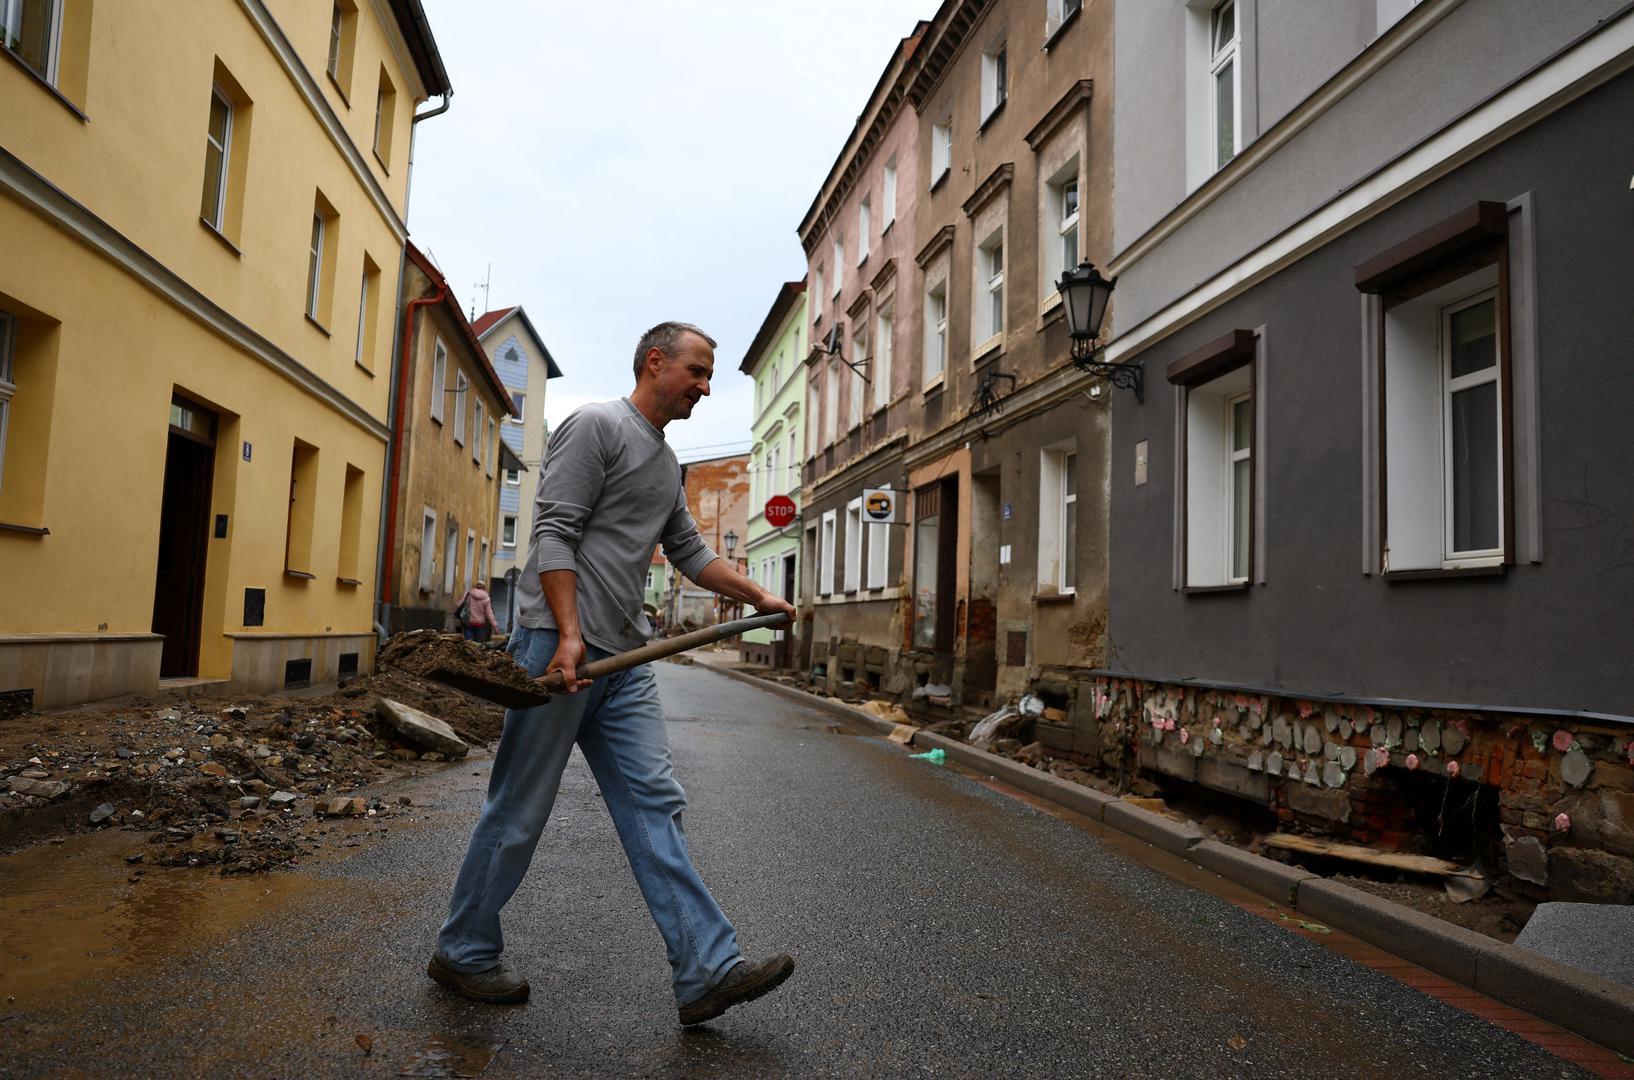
(1373, 527)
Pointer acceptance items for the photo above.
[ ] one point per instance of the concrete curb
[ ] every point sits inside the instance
(1578, 1001)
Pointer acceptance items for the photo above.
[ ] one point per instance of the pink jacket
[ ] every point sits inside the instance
(480, 610)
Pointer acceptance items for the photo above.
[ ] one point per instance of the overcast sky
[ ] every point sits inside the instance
(621, 165)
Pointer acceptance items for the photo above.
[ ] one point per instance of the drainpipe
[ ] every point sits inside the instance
(388, 562)
(408, 181)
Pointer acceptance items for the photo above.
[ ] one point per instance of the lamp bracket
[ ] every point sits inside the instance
(1125, 376)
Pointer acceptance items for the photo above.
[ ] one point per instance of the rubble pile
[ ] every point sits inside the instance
(236, 783)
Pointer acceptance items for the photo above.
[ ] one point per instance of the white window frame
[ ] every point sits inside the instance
(1058, 505)
(461, 386)
(477, 443)
(941, 150)
(513, 477)
(853, 545)
(362, 316)
(817, 299)
(470, 556)
(839, 268)
(512, 522)
(8, 379)
(428, 550)
(315, 266)
(485, 564)
(218, 215)
(1059, 224)
(859, 354)
(490, 451)
(1058, 12)
(887, 207)
(879, 553)
(1451, 386)
(1232, 456)
(1221, 53)
(825, 555)
(995, 79)
(988, 315)
(521, 406)
(1209, 493)
(884, 346)
(865, 223)
(936, 320)
(794, 463)
(439, 376)
(831, 403)
(451, 541)
(11, 20)
(336, 22)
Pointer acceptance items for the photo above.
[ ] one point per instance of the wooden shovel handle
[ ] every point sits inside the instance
(657, 650)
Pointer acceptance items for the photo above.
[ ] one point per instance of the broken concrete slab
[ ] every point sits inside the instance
(421, 728)
(1576, 934)
(40, 789)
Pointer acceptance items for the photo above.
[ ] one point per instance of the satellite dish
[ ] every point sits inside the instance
(833, 344)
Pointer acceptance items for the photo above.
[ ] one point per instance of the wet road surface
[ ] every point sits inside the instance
(940, 927)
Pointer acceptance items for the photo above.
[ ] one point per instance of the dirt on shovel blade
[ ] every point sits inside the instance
(477, 669)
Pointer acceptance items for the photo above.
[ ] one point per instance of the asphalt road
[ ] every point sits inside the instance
(940, 927)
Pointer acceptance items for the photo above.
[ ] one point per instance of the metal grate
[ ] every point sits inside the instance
(255, 607)
(347, 664)
(1015, 648)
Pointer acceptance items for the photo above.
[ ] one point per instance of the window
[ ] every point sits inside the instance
(935, 332)
(995, 80)
(831, 403)
(428, 550)
(513, 477)
(518, 400)
(887, 202)
(478, 438)
(1225, 79)
(507, 531)
(1061, 225)
(927, 567)
(1058, 14)
(314, 266)
(8, 379)
(794, 463)
(817, 300)
(31, 29)
(853, 545)
(470, 556)
(1058, 519)
(989, 303)
(490, 450)
(839, 266)
(385, 108)
(485, 567)
(881, 367)
(439, 378)
(218, 139)
(336, 21)
(322, 247)
(1220, 481)
(859, 355)
(825, 556)
(879, 553)
(303, 505)
(351, 525)
(864, 224)
(451, 554)
(941, 151)
(1445, 444)
(342, 42)
(461, 385)
(368, 306)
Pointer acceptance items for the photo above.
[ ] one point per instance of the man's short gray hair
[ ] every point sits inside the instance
(666, 338)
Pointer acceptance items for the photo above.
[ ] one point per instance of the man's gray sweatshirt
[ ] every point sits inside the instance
(610, 489)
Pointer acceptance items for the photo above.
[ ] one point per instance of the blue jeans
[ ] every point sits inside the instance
(618, 723)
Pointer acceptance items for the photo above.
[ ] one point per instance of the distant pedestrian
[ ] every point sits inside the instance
(477, 620)
(609, 490)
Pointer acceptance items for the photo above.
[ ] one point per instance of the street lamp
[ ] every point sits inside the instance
(731, 539)
(1085, 293)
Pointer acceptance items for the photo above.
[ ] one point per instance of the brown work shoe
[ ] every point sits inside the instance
(499, 985)
(744, 982)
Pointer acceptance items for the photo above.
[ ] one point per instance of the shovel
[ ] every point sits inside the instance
(515, 698)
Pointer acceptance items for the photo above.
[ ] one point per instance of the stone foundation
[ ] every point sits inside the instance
(1550, 803)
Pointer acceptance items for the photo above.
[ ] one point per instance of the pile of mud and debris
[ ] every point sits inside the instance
(228, 781)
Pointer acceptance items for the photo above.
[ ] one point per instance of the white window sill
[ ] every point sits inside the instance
(1049, 303)
(991, 345)
(936, 383)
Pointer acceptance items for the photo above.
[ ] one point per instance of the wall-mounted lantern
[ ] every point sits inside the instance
(1085, 293)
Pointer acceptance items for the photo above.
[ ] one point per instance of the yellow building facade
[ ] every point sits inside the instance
(203, 224)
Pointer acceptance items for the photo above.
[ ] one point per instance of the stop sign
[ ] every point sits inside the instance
(779, 511)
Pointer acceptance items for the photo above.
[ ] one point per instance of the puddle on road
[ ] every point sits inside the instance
(447, 1056)
(68, 912)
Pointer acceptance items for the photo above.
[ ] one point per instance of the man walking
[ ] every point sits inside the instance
(611, 489)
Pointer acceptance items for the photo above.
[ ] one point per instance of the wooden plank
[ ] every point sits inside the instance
(1396, 860)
